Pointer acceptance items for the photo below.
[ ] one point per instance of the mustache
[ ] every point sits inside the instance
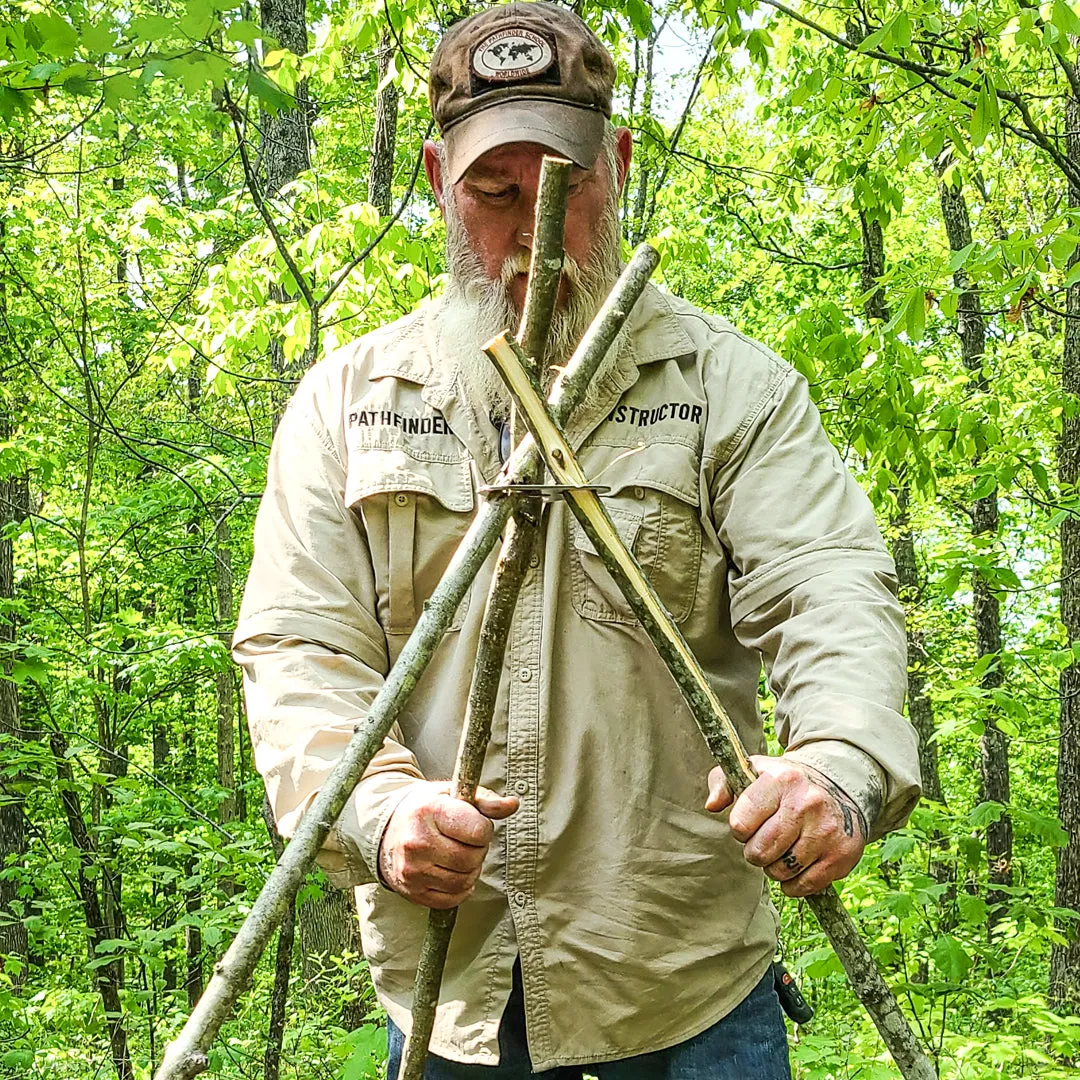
(520, 263)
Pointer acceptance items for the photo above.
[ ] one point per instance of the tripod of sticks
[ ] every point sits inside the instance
(513, 510)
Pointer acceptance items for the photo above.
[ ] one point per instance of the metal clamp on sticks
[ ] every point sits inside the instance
(543, 491)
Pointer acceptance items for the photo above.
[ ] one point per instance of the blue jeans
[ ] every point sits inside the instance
(750, 1043)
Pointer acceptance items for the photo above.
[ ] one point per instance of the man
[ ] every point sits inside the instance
(614, 917)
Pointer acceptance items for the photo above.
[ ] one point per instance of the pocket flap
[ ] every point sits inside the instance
(670, 467)
(379, 471)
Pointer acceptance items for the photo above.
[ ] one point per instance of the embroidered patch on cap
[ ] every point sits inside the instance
(512, 54)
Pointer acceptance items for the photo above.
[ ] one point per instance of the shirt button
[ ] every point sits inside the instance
(524, 674)
(520, 899)
(401, 499)
(639, 493)
(521, 787)
(534, 561)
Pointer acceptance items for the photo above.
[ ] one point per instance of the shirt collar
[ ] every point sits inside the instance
(655, 334)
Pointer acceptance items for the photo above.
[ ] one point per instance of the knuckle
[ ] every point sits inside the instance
(754, 857)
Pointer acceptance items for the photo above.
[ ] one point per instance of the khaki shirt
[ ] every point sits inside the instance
(637, 920)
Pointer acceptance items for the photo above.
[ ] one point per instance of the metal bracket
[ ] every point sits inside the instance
(544, 491)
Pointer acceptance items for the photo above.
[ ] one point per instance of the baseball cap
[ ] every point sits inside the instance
(520, 72)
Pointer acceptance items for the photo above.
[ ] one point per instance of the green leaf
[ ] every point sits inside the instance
(950, 958)
(896, 847)
(1062, 248)
(367, 1049)
(986, 813)
(98, 37)
(153, 28)
(1064, 18)
(902, 31)
(915, 314)
(244, 32)
(973, 909)
(270, 95)
(982, 117)
(872, 41)
(960, 257)
(640, 18)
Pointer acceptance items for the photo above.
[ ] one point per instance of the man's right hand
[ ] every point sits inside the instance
(434, 845)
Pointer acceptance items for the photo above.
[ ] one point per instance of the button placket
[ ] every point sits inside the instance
(524, 751)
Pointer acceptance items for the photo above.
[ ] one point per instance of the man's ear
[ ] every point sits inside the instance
(624, 149)
(433, 168)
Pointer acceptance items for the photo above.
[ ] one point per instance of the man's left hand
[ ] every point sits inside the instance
(794, 822)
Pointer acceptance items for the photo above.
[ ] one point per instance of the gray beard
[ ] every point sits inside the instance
(475, 309)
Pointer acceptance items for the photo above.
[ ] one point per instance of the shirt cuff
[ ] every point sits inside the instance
(854, 771)
(368, 813)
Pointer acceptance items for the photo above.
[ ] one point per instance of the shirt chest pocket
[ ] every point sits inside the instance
(414, 513)
(653, 505)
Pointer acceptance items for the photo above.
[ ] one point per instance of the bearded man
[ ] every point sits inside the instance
(616, 916)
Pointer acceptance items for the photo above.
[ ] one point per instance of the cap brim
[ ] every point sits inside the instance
(573, 132)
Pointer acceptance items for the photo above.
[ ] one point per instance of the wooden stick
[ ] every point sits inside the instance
(187, 1055)
(545, 275)
(715, 724)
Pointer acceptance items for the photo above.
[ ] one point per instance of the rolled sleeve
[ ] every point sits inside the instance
(311, 648)
(813, 589)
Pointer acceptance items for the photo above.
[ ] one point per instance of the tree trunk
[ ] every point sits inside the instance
(161, 752)
(636, 232)
(327, 922)
(107, 976)
(286, 136)
(993, 747)
(920, 708)
(384, 142)
(329, 929)
(285, 148)
(14, 504)
(188, 774)
(1065, 959)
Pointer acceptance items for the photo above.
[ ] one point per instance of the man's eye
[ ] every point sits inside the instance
(499, 194)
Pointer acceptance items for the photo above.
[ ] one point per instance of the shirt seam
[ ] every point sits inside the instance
(779, 568)
(781, 372)
(380, 646)
(307, 413)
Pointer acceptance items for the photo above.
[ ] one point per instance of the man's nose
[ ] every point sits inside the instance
(527, 221)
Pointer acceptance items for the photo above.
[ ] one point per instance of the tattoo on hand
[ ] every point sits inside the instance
(792, 863)
(849, 809)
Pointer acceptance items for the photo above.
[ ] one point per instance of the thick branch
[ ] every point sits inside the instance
(260, 204)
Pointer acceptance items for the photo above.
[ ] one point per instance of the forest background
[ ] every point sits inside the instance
(200, 198)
